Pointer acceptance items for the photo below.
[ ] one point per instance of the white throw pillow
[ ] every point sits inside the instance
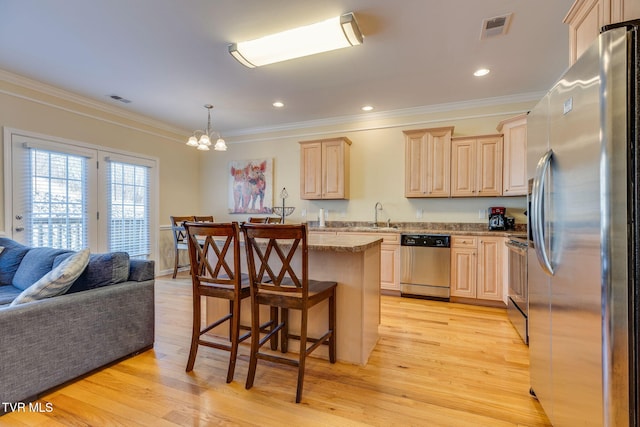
(57, 281)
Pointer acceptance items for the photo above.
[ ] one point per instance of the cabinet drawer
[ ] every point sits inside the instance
(464, 241)
(387, 238)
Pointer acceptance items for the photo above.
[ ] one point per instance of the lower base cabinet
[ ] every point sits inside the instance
(477, 264)
(389, 258)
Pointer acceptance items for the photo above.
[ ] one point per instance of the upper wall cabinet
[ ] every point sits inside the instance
(428, 162)
(476, 166)
(324, 169)
(586, 17)
(514, 168)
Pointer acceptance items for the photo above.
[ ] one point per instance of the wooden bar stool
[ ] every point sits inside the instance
(179, 239)
(212, 276)
(276, 283)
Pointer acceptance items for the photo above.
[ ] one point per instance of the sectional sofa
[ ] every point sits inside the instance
(47, 339)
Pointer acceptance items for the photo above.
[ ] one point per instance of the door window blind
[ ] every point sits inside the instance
(128, 208)
(58, 199)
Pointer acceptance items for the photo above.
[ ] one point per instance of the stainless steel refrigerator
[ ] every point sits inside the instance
(583, 268)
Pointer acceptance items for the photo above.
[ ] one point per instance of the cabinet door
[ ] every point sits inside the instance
(463, 167)
(439, 163)
(490, 277)
(334, 169)
(311, 170)
(389, 267)
(463, 272)
(585, 18)
(515, 158)
(415, 180)
(428, 162)
(489, 166)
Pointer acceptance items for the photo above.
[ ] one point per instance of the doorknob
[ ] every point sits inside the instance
(19, 228)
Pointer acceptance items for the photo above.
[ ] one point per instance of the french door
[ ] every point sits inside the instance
(67, 195)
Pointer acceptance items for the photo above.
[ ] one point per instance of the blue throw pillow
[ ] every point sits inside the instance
(57, 281)
(102, 270)
(10, 259)
(35, 264)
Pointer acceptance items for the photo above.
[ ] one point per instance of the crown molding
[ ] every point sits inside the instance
(391, 114)
(46, 89)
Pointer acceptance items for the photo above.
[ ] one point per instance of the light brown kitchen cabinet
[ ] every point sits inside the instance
(389, 259)
(477, 264)
(428, 162)
(324, 169)
(587, 17)
(514, 161)
(476, 166)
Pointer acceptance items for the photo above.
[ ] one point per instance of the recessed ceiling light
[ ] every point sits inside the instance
(278, 104)
(367, 108)
(481, 72)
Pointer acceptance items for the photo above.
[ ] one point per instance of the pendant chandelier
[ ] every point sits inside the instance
(202, 139)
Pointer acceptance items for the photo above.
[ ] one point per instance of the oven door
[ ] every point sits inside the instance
(518, 291)
(517, 303)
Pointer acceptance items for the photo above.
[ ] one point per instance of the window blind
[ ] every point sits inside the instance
(56, 214)
(128, 195)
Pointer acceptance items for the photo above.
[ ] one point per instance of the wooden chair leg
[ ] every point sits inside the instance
(175, 264)
(234, 324)
(274, 324)
(303, 354)
(195, 334)
(255, 344)
(332, 326)
(284, 332)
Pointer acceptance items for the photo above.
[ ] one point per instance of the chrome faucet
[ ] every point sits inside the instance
(377, 207)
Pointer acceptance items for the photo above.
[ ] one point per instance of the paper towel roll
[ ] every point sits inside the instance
(321, 217)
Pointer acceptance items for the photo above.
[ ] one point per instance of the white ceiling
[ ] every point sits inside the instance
(169, 57)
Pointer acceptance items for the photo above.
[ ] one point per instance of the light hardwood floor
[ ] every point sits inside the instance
(436, 364)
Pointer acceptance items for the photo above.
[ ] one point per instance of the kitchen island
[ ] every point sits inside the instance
(353, 262)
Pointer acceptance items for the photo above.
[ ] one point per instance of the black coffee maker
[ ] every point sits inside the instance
(497, 219)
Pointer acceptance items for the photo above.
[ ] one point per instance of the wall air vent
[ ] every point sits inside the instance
(119, 98)
(495, 26)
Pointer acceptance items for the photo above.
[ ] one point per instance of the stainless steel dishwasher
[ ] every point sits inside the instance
(426, 265)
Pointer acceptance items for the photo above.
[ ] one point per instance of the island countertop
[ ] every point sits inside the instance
(341, 243)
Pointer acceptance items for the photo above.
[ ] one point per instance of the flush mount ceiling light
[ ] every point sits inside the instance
(481, 72)
(202, 139)
(335, 33)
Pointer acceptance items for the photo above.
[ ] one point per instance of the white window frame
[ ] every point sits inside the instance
(100, 243)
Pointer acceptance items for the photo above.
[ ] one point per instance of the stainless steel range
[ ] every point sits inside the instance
(518, 301)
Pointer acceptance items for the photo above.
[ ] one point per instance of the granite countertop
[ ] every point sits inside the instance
(335, 243)
(467, 229)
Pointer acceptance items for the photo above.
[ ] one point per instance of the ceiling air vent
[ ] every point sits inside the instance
(119, 98)
(496, 26)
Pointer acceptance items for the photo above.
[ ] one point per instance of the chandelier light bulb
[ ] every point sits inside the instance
(192, 142)
(204, 140)
(203, 147)
(220, 145)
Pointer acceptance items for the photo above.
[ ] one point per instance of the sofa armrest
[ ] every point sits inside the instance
(141, 270)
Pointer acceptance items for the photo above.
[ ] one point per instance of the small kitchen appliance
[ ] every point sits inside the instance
(497, 218)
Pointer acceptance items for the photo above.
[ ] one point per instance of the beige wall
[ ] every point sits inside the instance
(179, 188)
(192, 182)
(377, 169)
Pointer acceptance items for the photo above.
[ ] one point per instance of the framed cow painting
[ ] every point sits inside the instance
(251, 186)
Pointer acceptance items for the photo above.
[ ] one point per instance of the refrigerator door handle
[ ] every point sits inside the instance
(537, 219)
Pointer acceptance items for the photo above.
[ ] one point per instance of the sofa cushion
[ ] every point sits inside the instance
(10, 259)
(57, 281)
(8, 293)
(102, 270)
(35, 264)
